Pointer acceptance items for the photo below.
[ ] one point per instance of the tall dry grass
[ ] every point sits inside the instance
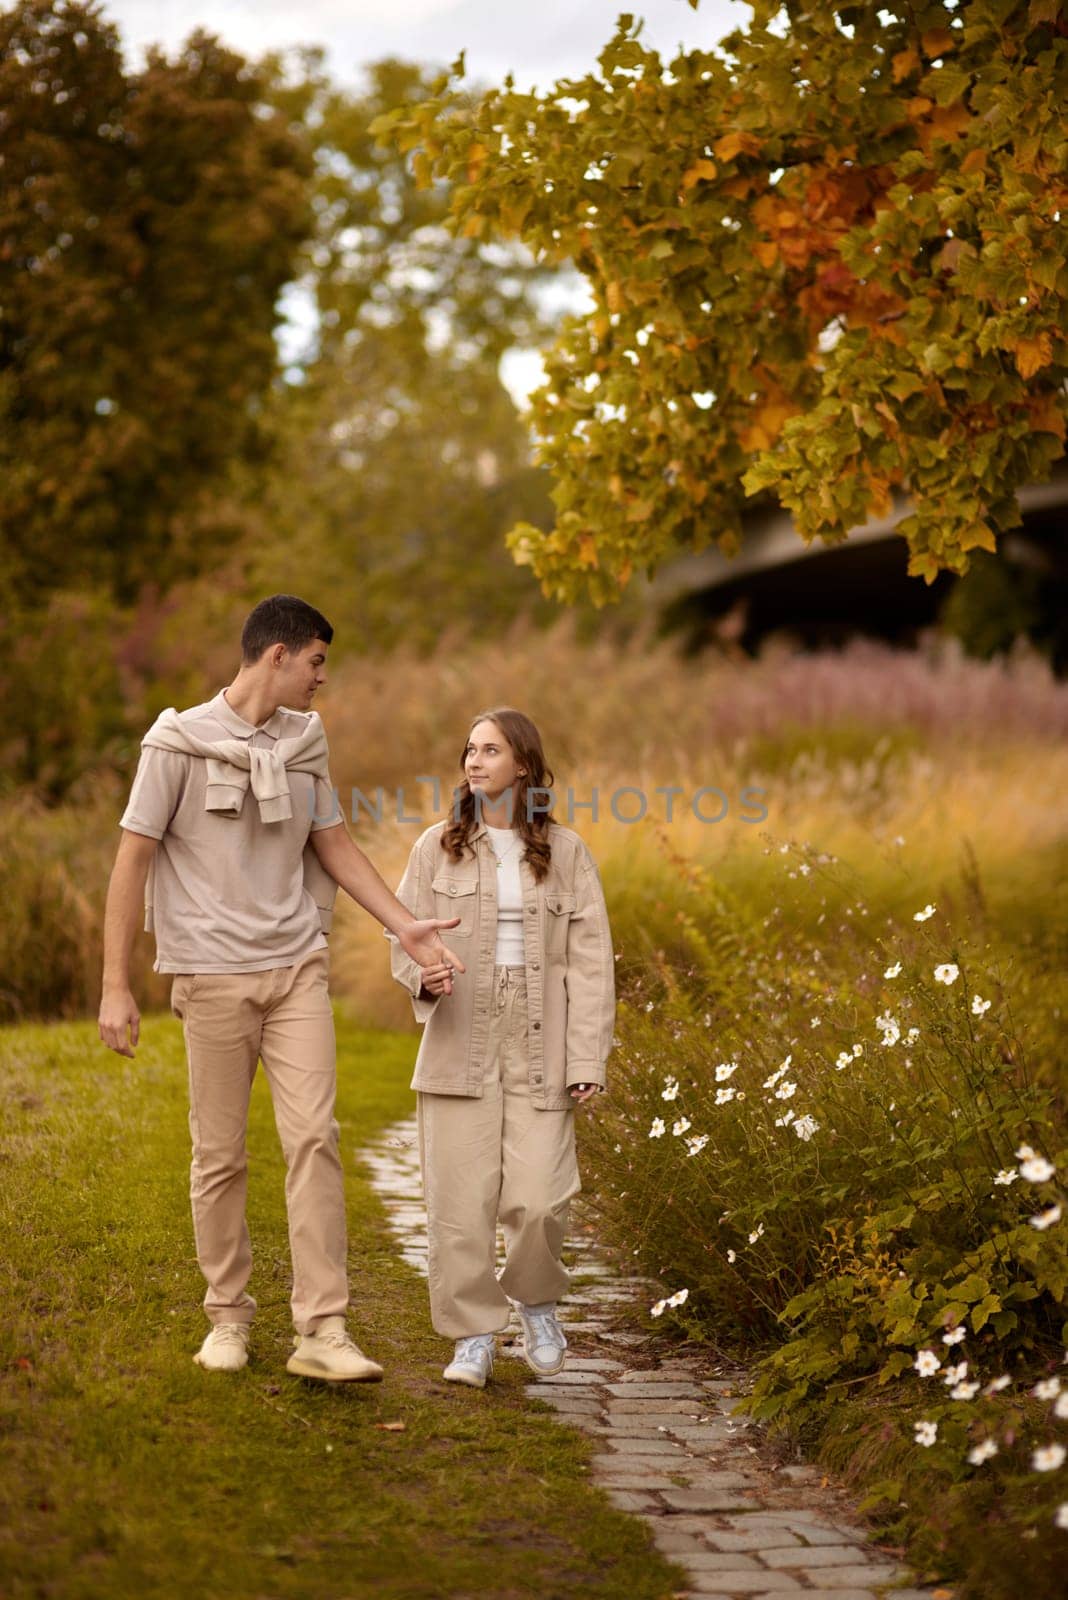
(964, 759)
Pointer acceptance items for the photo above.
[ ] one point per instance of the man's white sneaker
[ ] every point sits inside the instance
(225, 1349)
(330, 1354)
(472, 1361)
(543, 1339)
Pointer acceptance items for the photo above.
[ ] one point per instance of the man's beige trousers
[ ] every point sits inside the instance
(232, 1020)
(495, 1158)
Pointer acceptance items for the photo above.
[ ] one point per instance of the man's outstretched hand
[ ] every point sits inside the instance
(119, 1015)
(423, 943)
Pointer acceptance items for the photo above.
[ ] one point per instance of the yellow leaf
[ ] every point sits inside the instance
(703, 169)
(766, 252)
(476, 156)
(587, 554)
(625, 574)
(613, 294)
(904, 62)
(472, 228)
(735, 144)
(979, 537)
(1033, 354)
(640, 511)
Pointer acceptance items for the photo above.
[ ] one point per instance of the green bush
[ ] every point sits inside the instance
(814, 1142)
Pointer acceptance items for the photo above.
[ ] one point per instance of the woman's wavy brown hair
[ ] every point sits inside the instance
(525, 741)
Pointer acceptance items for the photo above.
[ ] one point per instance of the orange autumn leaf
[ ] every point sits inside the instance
(766, 252)
(587, 552)
(904, 62)
(703, 169)
(945, 122)
(937, 42)
(735, 144)
(974, 161)
(1032, 354)
(1047, 416)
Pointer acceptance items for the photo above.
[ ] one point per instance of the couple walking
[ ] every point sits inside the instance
(518, 1008)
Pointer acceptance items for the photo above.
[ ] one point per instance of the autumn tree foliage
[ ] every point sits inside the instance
(148, 221)
(827, 260)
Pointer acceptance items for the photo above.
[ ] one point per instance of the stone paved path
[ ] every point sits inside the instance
(670, 1449)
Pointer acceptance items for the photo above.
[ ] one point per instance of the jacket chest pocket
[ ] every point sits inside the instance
(559, 909)
(455, 897)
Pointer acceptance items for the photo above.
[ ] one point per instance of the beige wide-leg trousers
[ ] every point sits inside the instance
(493, 1158)
(233, 1020)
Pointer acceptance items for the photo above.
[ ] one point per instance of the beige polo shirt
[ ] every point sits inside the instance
(229, 892)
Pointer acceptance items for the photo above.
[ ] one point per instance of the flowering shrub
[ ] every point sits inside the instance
(857, 1186)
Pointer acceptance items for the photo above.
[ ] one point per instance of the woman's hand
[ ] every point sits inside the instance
(581, 1092)
(437, 980)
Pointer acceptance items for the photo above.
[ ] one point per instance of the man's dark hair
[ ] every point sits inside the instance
(283, 619)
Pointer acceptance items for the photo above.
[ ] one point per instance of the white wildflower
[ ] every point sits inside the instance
(725, 1070)
(679, 1298)
(892, 972)
(1024, 1153)
(814, 1022)
(1006, 1175)
(954, 1336)
(927, 1363)
(1060, 1516)
(982, 1452)
(680, 1127)
(659, 1309)
(924, 915)
(671, 1089)
(912, 1035)
(657, 1129)
(1046, 1219)
(648, 1005)
(732, 1256)
(1048, 1457)
(786, 1091)
(1060, 1406)
(844, 1060)
(805, 1127)
(780, 1072)
(858, 1049)
(979, 1005)
(955, 1374)
(964, 1391)
(723, 1096)
(926, 1433)
(785, 1120)
(1036, 1169)
(695, 1145)
(996, 1385)
(1048, 1389)
(948, 972)
(804, 869)
(756, 1234)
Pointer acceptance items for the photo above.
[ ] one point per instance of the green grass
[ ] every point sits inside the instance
(129, 1471)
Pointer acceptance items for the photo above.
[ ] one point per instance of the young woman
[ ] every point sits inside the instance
(510, 1046)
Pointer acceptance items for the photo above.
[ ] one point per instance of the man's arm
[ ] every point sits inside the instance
(353, 872)
(123, 915)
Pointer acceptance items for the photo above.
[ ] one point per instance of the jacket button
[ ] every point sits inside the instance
(532, 909)
(535, 965)
(452, 888)
(537, 1025)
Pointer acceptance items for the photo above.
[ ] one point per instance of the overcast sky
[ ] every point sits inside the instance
(538, 40)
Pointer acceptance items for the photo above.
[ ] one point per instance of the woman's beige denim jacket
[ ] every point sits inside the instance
(570, 966)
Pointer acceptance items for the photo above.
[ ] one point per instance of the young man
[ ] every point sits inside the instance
(233, 828)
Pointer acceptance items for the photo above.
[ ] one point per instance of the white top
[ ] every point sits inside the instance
(507, 846)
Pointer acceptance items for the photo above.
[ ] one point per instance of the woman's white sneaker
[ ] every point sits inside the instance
(225, 1349)
(331, 1355)
(472, 1361)
(543, 1339)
